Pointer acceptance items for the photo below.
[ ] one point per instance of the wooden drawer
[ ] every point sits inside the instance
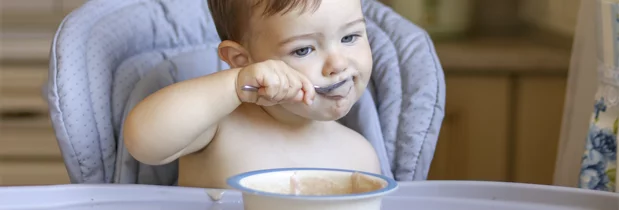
(27, 47)
(29, 153)
(21, 89)
(28, 138)
(31, 172)
(473, 139)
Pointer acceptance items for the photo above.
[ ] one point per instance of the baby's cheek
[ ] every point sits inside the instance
(360, 87)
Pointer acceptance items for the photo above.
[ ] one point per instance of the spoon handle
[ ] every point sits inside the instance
(255, 89)
(249, 88)
(322, 90)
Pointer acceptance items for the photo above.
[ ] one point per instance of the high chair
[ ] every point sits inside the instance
(108, 55)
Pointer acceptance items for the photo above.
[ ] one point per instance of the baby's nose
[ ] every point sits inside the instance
(335, 64)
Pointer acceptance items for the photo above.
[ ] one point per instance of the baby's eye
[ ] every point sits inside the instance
(303, 51)
(350, 38)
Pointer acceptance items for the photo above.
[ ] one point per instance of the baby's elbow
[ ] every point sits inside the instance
(136, 144)
(137, 154)
(149, 157)
(142, 154)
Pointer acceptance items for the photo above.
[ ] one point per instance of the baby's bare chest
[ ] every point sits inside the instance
(283, 147)
(243, 143)
(254, 148)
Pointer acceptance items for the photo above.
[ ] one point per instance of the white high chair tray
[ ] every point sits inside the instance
(431, 195)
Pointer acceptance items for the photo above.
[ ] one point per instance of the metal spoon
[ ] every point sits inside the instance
(319, 90)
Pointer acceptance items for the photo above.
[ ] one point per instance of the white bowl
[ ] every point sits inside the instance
(317, 188)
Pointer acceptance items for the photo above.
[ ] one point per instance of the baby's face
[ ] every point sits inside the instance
(328, 45)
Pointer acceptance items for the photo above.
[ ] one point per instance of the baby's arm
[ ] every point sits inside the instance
(181, 118)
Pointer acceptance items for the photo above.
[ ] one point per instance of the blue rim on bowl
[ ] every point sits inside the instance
(235, 183)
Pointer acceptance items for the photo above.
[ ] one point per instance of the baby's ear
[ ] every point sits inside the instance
(233, 53)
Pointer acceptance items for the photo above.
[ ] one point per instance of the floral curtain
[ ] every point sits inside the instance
(599, 162)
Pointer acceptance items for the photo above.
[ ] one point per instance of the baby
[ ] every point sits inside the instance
(218, 128)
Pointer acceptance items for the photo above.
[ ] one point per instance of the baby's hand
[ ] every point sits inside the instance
(277, 82)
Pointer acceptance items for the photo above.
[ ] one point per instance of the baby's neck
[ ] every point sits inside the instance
(285, 117)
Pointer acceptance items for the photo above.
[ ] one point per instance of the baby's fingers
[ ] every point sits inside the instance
(299, 96)
(265, 102)
(272, 86)
(308, 89)
(294, 89)
(283, 88)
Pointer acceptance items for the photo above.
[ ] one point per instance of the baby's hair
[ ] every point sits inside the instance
(231, 16)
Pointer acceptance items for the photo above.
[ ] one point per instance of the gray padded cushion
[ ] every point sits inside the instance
(93, 42)
(89, 45)
(410, 125)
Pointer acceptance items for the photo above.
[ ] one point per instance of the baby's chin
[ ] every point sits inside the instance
(326, 115)
(330, 113)
(326, 109)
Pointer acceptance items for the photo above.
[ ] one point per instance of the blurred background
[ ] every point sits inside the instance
(505, 62)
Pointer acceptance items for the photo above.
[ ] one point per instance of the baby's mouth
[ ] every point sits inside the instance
(340, 92)
(326, 90)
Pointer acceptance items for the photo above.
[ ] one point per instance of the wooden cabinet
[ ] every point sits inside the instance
(500, 128)
(537, 124)
(503, 111)
(29, 153)
(472, 140)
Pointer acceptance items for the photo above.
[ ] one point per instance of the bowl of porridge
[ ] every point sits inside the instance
(312, 189)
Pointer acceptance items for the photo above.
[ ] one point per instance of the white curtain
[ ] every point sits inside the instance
(584, 158)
